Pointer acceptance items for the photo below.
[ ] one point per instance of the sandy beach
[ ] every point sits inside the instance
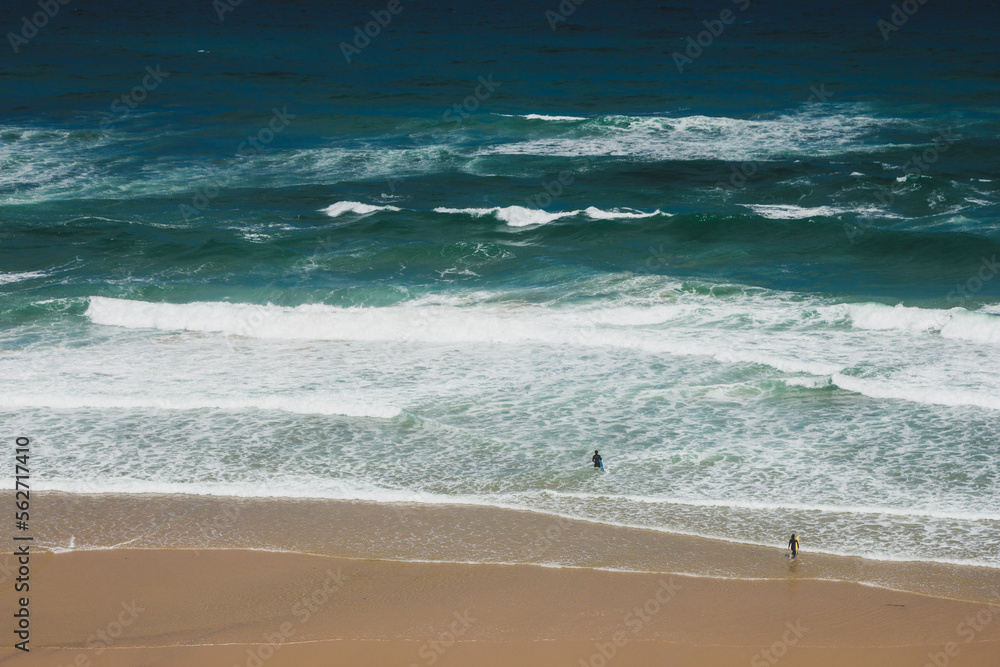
(162, 605)
(177, 607)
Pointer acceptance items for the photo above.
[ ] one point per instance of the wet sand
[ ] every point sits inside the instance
(459, 534)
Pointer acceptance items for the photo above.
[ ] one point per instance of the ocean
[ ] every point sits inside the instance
(439, 253)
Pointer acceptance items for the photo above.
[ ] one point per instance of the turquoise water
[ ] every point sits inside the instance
(766, 288)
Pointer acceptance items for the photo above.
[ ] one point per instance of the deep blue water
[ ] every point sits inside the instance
(769, 278)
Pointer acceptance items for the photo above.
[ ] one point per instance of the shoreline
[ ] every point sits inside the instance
(554, 516)
(239, 607)
(462, 534)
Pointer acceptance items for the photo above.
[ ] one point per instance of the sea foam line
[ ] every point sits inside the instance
(538, 116)
(595, 327)
(955, 323)
(307, 405)
(521, 216)
(515, 216)
(341, 207)
(662, 329)
(784, 507)
(882, 389)
(7, 278)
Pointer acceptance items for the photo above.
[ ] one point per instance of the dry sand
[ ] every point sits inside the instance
(124, 607)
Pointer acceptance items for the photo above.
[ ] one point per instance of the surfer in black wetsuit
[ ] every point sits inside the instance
(596, 458)
(793, 544)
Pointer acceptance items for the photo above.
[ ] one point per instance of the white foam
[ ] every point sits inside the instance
(521, 216)
(623, 326)
(334, 489)
(791, 212)
(956, 323)
(812, 343)
(616, 213)
(830, 130)
(7, 278)
(304, 404)
(515, 216)
(341, 207)
(958, 515)
(538, 116)
(877, 316)
(906, 391)
(807, 382)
